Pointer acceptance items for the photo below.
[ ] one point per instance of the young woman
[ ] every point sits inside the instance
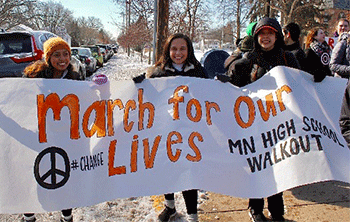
(57, 55)
(178, 59)
(318, 54)
(267, 53)
(56, 65)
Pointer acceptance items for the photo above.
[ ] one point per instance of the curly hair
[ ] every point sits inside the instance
(34, 68)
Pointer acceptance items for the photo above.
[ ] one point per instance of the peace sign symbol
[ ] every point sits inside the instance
(53, 172)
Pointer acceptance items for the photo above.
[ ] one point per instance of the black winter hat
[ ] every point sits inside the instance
(270, 23)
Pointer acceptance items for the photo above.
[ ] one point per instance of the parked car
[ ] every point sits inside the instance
(109, 51)
(115, 48)
(78, 66)
(19, 48)
(85, 56)
(96, 53)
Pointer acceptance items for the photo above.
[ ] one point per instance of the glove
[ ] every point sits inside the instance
(100, 79)
(140, 78)
(319, 78)
(223, 78)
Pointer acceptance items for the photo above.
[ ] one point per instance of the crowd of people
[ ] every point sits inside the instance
(267, 45)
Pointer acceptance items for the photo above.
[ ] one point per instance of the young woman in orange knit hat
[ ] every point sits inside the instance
(56, 65)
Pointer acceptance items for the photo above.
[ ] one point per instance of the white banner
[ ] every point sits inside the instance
(332, 41)
(71, 143)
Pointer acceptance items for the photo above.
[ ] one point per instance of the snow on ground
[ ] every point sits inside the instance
(120, 67)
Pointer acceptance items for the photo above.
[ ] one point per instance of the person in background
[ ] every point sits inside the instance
(340, 58)
(318, 54)
(343, 26)
(178, 59)
(245, 45)
(56, 65)
(291, 34)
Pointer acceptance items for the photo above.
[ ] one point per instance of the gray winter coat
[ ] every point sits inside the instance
(340, 59)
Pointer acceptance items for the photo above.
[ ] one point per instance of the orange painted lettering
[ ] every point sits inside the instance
(111, 154)
(176, 100)
(110, 107)
(251, 110)
(99, 125)
(142, 108)
(149, 157)
(170, 142)
(279, 91)
(209, 106)
(198, 155)
(53, 102)
(270, 106)
(129, 105)
(194, 103)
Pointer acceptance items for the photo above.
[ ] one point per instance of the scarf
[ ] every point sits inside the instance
(322, 50)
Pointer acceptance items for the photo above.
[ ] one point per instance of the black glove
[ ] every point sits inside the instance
(140, 78)
(319, 78)
(223, 78)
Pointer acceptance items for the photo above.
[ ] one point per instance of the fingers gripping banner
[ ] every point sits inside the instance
(70, 143)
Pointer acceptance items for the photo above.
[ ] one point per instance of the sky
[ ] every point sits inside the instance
(102, 9)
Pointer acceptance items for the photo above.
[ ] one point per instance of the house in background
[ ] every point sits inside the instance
(333, 11)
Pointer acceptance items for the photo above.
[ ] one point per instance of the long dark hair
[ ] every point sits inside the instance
(165, 59)
(40, 67)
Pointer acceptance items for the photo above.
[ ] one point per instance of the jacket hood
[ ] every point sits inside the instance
(273, 24)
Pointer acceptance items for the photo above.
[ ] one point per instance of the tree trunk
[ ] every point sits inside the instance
(162, 26)
(267, 8)
(238, 19)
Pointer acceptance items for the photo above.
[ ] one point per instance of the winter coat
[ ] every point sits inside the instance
(188, 70)
(340, 59)
(46, 72)
(257, 62)
(298, 53)
(245, 45)
(316, 65)
(344, 120)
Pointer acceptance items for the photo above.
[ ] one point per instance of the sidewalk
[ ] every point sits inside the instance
(320, 202)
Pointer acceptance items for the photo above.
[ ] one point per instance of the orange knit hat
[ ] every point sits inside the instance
(53, 44)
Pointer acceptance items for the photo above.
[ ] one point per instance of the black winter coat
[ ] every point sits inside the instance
(257, 63)
(47, 73)
(344, 120)
(315, 67)
(188, 70)
(299, 54)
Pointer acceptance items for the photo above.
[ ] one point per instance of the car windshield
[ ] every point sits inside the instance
(94, 50)
(11, 44)
(84, 52)
(74, 51)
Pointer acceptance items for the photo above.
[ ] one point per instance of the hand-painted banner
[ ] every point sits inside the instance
(332, 41)
(70, 143)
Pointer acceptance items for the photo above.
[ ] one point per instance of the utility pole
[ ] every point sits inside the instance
(127, 18)
(155, 31)
(267, 8)
(162, 26)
